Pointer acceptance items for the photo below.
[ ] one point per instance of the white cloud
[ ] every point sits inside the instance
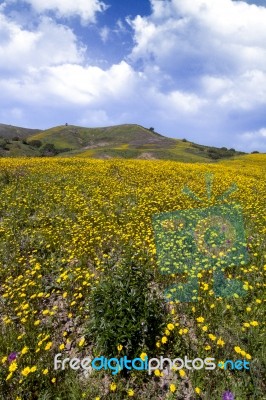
(49, 44)
(85, 9)
(104, 33)
(253, 140)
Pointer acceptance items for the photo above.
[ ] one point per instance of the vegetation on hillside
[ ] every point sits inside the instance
(121, 141)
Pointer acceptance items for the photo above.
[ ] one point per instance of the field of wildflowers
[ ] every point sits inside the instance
(66, 225)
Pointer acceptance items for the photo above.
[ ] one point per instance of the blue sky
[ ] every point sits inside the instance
(192, 69)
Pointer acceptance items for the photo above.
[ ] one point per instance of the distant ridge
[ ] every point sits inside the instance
(119, 141)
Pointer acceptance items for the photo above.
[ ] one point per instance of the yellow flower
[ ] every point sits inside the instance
(9, 376)
(172, 388)
(81, 342)
(208, 347)
(237, 349)
(157, 372)
(200, 319)
(197, 390)
(62, 346)
(170, 327)
(13, 366)
(248, 356)
(254, 323)
(212, 337)
(24, 350)
(220, 342)
(143, 355)
(33, 369)
(182, 373)
(45, 371)
(25, 371)
(130, 392)
(119, 347)
(4, 359)
(53, 380)
(204, 328)
(164, 339)
(48, 346)
(113, 387)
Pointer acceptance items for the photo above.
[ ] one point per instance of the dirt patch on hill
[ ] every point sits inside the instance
(146, 156)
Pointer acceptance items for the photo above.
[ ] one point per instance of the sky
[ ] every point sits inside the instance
(193, 69)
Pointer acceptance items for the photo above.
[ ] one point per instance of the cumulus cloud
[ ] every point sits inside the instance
(214, 50)
(85, 9)
(48, 44)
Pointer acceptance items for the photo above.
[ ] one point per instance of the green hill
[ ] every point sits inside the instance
(120, 141)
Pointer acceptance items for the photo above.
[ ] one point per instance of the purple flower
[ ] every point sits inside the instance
(228, 395)
(12, 356)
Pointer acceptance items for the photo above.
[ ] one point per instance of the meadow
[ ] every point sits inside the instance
(79, 276)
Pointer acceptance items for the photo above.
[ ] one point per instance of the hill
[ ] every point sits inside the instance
(120, 141)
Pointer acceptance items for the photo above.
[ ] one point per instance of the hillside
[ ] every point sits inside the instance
(10, 131)
(120, 141)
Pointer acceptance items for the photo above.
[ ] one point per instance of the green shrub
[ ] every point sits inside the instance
(127, 309)
(35, 143)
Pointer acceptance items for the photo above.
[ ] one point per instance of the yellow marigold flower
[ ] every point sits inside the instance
(130, 392)
(248, 356)
(9, 376)
(200, 319)
(13, 366)
(164, 339)
(254, 323)
(143, 355)
(157, 372)
(36, 323)
(119, 347)
(212, 337)
(237, 349)
(172, 388)
(170, 327)
(4, 359)
(25, 371)
(182, 373)
(24, 350)
(197, 390)
(208, 347)
(81, 342)
(53, 380)
(113, 387)
(45, 371)
(33, 369)
(62, 346)
(48, 346)
(204, 328)
(220, 342)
